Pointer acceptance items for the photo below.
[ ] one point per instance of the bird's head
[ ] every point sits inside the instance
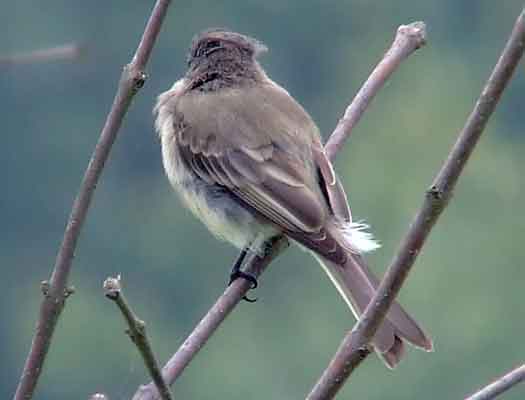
(214, 44)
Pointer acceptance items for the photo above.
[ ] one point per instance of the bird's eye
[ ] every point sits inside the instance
(213, 44)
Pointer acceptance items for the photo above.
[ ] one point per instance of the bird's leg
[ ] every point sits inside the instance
(238, 273)
(236, 269)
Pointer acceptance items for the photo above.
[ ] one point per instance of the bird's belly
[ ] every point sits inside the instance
(215, 206)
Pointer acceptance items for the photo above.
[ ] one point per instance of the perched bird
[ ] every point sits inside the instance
(248, 161)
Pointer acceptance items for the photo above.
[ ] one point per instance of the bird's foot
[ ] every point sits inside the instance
(249, 277)
(238, 273)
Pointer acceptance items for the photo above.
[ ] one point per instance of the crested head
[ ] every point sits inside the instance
(215, 40)
(227, 58)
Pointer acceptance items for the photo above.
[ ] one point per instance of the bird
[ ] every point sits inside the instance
(248, 161)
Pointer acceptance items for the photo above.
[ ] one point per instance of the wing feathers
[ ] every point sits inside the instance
(260, 152)
(220, 173)
(246, 166)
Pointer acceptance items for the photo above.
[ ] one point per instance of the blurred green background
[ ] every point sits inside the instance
(467, 286)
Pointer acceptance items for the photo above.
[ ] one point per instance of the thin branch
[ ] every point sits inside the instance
(349, 354)
(137, 334)
(211, 321)
(66, 52)
(132, 79)
(500, 385)
(408, 39)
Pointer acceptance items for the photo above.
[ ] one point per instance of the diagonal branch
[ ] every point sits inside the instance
(137, 333)
(132, 79)
(349, 355)
(408, 39)
(500, 385)
(212, 320)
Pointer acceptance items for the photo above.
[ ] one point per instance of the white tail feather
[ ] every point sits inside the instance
(357, 238)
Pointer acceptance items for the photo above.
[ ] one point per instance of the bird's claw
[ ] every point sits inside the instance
(247, 276)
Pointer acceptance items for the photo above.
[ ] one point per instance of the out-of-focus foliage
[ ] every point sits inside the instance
(467, 287)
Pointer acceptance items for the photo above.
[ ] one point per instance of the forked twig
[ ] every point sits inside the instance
(56, 291)
(349, 355)
(408, 39)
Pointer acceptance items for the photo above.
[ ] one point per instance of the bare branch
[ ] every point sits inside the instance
(500, 385)
(132, 79)
(66, 52)
(407, 40)
(212, 320)
(137, 334)
(349, 354)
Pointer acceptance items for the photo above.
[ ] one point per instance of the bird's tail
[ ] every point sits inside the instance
(357, 284)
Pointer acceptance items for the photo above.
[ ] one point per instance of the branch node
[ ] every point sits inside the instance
(135, 75)
(141, 327)
(44, 287)
(138, 333)
(416, 32)
(112, 287)
(435, 193)
(68, 291)
(364, 352)
(139, 80)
